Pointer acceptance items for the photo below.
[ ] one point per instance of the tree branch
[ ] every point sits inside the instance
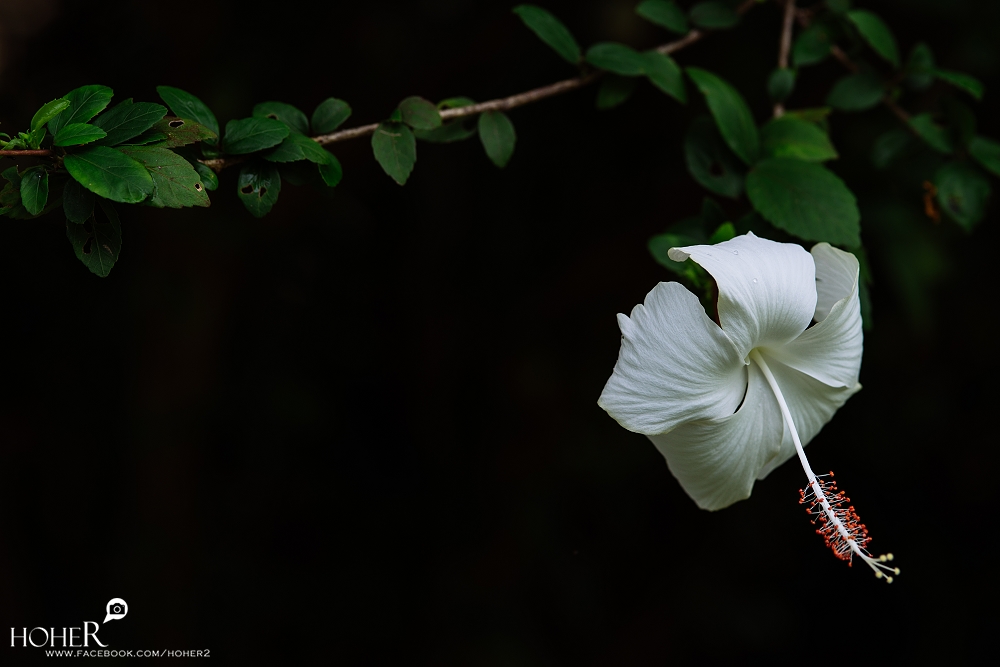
(42, 152)
(784, 47)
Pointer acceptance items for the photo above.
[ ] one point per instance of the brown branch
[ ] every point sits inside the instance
(34, 153)
(784, 47)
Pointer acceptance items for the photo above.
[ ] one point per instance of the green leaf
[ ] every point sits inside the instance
(34, 189)
(298, 147)
(181, 132)
(876, 33)
(838, 6)
(35, 137)
(456, 130)
(12, 175)
(615, 90)
(175, 180)
(731, 114)
(85, 102)
(794, 138)
(329, 115)
(97, 242)
(127, 119)
(724, 232)
(395, 149)
(420, 114)
(987, 153)
(710, 162)
(331, 172)
(208, 177)
(804, 199)
(713, 15)
(812, 45)
(920, 67)
(617, 58)
(258, 187)
(110, 174)
(498, 137)
(889, 146)
(659, 246)
(969, 84)
(780, 84)
(935, 135)
(48, 111)
(817, 115)
(455, 103)
(550, 30)
(186, 105)
(663, 13)
(665, 74)
(962, 191)
(77, 134)
(78, 202)
(286, 113)
(249, 135)
(856, 92)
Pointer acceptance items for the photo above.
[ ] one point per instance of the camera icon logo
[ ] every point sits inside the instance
(117, 608)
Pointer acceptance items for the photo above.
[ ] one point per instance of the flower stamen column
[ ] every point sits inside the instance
(840, 527)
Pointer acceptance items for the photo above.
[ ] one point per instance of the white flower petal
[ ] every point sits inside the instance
(717, 460)
(831, 350)
(811, 403)
(675, 365)
(767, 290)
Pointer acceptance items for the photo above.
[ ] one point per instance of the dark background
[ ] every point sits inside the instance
(364, 428)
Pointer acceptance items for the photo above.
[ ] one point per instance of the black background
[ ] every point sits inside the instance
(364, 428)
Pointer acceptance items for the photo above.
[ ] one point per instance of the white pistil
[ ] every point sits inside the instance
(841, 527)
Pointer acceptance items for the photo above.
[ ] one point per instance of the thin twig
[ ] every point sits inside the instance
(41, 152)
(784, 47)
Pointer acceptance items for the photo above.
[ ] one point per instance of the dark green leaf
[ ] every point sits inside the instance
(456, 130)
(498, 137)
(665, 74)
(812, 45)
(77, 134)
(856, 92)
(331, 171)
(731, 114)
(817, 115)
(84, 103)
(962, 191)
(298, 147)
(804, 199)
(713, 15)
(780, 84)
(48, 111)
(935, 135)
(78, 202)
(987, 153)
(12, 175)
(890, 146)
(34, 189)
(127, 119)
(659, 246)
(249, 135)
(98, 241)
(663, 13)
(395, 149)
(876, 33)
(329, 115)
(551, 31)
(838, 6)
(208, 177)
(723, 232)
(455, 103)
(186, 105)
(790, 137)
(961, 122)
(420, 114)
(258, 187)
(286, 113)
(710, 162)
(617, 58)
(920, 67)
(110, 174)
(176, 182)
(615, 90)
(146, 138)
(969, 84)
(35, 137)
(181, 132)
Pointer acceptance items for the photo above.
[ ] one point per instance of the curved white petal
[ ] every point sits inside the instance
(767, 290)
(675, 365)
(717, 460)
(810, 402)
(831, 350)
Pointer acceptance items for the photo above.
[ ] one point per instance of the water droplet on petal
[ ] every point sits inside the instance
(736, 252)
(755, 280)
